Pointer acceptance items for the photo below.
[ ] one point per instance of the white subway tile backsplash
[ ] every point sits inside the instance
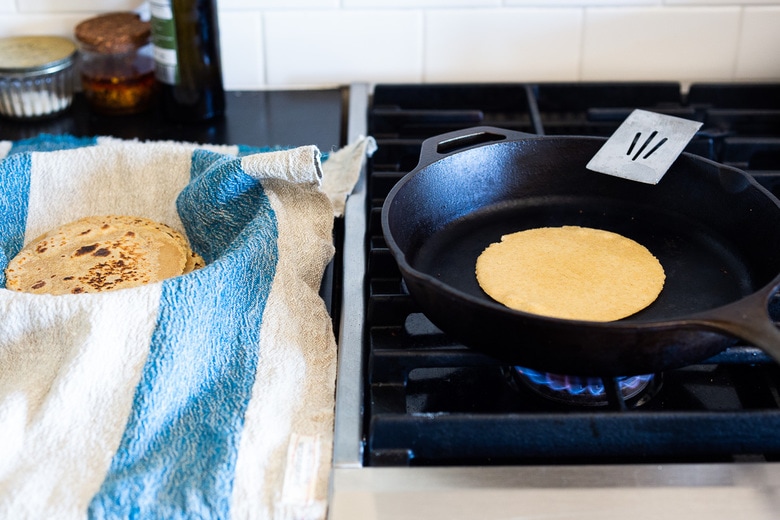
(685, 44)
(719, 2)
(276, 43)
(259, 5)
(419, 3)
(579, 3)
(65, 6)
(502, 45)
(759, 45)
(241, 46)
(342, 46)
(34, 24)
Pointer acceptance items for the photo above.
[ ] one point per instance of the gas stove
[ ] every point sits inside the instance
(428, 428)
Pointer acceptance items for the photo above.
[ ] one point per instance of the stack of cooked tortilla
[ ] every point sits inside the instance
(101, 253)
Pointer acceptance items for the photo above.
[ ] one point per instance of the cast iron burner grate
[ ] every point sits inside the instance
(432, 401)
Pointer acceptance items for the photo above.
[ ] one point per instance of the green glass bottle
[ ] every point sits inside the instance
(185, 38)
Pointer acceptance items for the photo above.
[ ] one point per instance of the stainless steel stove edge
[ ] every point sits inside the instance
(347, 447)
(690, 491)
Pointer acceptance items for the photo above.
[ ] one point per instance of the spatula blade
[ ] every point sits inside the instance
(644, 146)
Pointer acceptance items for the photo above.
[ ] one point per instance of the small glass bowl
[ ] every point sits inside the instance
(36, 76)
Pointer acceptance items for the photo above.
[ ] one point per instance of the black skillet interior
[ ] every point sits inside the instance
(716, 234)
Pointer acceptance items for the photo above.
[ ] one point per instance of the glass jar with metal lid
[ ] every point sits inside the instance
(117, 67)
(36, 76)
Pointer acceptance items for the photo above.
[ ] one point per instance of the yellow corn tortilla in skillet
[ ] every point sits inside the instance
(571, 272)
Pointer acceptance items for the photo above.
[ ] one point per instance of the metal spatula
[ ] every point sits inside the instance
(644, 146)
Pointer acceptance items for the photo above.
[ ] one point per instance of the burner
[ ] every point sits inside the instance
(589, 391)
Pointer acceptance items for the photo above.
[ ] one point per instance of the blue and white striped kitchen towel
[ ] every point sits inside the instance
(208, 395)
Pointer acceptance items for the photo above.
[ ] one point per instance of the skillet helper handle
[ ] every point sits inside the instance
(749, 320)
(440, 146)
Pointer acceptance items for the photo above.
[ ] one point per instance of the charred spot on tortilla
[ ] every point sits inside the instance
(85, 250)
(101, 253)
(571, 272)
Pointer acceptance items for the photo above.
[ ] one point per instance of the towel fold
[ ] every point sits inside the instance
(208, 395)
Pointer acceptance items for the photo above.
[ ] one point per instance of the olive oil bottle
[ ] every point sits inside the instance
(185, 38)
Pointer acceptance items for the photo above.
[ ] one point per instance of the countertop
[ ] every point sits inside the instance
(253, 118)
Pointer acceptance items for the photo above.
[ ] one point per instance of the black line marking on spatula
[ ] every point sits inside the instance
(656, 147)
(644, 145)
(633, 143)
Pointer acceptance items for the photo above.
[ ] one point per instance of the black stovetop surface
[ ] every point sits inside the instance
(432, 401)
(252, 118)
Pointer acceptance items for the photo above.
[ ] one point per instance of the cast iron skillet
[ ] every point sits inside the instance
(713, 228)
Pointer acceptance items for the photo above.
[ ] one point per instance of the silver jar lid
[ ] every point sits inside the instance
(35, 55)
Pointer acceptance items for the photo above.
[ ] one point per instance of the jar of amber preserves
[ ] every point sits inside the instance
(117, 66)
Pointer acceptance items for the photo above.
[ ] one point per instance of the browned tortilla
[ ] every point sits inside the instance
(571, 272)
(101, 253)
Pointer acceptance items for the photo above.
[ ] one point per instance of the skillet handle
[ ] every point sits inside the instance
(749, 320)
(443, 145)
